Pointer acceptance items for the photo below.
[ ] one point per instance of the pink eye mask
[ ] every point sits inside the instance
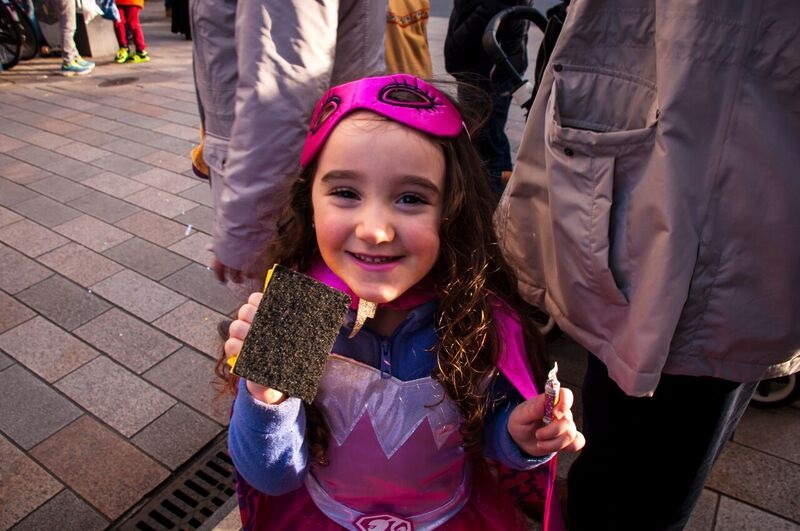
(402, 98)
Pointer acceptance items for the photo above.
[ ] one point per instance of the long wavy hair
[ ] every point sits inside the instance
(470, 270)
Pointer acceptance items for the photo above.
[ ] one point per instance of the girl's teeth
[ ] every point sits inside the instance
(372, 260)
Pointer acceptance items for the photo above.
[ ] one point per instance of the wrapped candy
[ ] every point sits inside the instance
(551, 389)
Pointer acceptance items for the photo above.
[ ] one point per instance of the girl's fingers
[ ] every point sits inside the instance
(238, 330)
(565, 400)
(232, 346)
(255, 298)
(577, 444)
(246, 313)
(567, 438)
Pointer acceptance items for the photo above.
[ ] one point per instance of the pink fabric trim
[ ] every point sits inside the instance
(415, 296)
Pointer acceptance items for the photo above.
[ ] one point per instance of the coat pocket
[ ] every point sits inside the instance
(599, 137)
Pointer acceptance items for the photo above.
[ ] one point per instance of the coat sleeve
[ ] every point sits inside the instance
(462, 44)
(285, 57)
(267, 443)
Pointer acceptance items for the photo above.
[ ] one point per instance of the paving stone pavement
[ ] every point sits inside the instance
(107, 307)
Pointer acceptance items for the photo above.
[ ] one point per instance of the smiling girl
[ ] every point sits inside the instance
(413, 411)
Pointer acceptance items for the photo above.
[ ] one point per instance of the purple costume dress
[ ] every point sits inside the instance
(395, 455)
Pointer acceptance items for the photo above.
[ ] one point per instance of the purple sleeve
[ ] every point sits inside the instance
(267, 443)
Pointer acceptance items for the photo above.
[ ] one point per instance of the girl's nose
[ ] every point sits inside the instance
(375, 227)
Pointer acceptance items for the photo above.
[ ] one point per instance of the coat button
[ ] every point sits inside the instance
(568, 152)
(558, 67)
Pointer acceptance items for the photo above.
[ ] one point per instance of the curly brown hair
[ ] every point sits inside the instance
(469, 272)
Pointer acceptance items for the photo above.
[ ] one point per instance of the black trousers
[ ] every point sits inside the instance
(646, 459)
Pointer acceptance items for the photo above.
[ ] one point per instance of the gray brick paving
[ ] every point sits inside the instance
(128, 340)
(138, 294)
(19, 271)
(153, 228)
(45, 211)
(103, 206)
(168, 181)
(146, 258)
(30, 238)
(80, 264)
(44, 348)
(22, 497)
(199, 193)
(23, 396)
(176, 436)
(68, 510)
(8, 217)
(117, 396)
(63, 302)
(200, 218)
(59, 188)
(90, 231)
(107, 316)
(114, 185)
(12, 312)
(164, 203)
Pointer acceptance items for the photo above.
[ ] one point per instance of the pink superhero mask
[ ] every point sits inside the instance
(402, 98)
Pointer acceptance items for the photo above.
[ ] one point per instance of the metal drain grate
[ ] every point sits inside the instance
(191, 498)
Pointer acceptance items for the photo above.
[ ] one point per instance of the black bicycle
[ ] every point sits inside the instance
(10, 40)
(15, 15)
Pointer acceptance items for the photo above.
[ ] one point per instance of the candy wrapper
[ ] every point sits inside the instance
(551, 389)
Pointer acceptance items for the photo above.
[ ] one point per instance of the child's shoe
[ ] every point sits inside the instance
(77, 67)
(122, 55)
(141, 57)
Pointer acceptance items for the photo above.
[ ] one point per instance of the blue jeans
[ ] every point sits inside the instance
(491, 141)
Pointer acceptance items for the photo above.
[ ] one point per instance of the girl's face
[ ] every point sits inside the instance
(377, 197)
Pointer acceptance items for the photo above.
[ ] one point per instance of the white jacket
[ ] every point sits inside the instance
(653, 209)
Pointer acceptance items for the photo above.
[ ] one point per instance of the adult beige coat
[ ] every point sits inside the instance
(289, 53)
(653, 209)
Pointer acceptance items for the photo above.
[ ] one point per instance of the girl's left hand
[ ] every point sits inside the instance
(534, 437)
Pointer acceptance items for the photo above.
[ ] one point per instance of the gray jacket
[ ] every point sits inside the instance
(215, 74)
(653, 206)
(289, 52)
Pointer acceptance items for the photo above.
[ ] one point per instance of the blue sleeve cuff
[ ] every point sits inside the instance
(267, 443)
(267, 418)
(508, 452)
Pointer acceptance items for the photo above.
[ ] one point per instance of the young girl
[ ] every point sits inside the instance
(129, 23)
(391, 207)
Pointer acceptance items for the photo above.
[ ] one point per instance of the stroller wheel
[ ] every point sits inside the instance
(776, 392)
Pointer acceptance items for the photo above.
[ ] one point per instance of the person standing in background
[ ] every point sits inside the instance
(129, 22)
(289, 52)
(653, 212)
(213, 25)
(407, 48)
(467, 61)
(72, 64)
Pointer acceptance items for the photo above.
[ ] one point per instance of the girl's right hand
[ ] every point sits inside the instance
(233, 345)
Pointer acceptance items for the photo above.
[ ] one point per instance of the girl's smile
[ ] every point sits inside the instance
(377, 198)
(375, 262)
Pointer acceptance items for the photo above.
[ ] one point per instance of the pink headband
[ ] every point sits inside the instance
(400, 97)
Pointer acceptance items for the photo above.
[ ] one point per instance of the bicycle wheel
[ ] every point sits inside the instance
(10, 39)
(30, 42)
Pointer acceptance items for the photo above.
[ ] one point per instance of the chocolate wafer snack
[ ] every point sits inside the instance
(292, 333)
